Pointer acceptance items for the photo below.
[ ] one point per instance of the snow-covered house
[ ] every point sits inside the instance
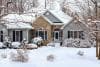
(48, 25)
(76, 34)
(16, 26)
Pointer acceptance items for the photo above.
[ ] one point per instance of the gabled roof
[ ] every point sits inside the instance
(56, 17)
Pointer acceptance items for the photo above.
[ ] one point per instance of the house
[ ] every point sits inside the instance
(17, 27)
(48, 26)
(76, 34)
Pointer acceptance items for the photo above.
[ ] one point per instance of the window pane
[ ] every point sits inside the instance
(36, 33)
(45, 35)
(21, 36)
(17, 36)
(81, 34)
(1, 36)
(41, 34)
(69, 34)
(13, 35)
(75, 34)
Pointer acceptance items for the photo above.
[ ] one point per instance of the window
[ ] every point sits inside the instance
(17, 35)
(76, 34)
(41, 33)
(1, 36)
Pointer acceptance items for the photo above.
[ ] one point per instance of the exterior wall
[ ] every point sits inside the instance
(5, 31)
(41, 23)
(73, 26)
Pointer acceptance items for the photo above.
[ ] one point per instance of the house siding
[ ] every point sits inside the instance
(42, 23)
(76, 26)
(5, 31)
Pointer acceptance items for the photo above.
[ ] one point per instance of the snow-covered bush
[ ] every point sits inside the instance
(37, 40)
(80, 53)
(32, 45)
(2, 45)
(76, 43)
(50, 58)
(20, 56)
(71, 42)
(3, 55)
(16, 44)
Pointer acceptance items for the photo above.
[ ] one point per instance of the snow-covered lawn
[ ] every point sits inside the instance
(63, 57)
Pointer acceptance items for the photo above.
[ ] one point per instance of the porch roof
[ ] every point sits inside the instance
(18, 25)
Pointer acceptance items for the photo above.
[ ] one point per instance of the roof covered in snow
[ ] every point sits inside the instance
(18, 25)
(56, 17)
(54, 14)
(16, 21)
(17, 18)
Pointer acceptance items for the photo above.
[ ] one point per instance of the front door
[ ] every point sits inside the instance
(56, 35)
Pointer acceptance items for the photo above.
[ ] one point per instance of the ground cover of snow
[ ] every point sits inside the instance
(63, 57)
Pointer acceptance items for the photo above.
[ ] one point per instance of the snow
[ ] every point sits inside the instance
(19, 18)
(16, 44)
(36, 40)
(16, 21)
(1, 44)
(61, 16)
(53, 44)
(18, 25)
(64, 18)
(33, 45)
(63, 57)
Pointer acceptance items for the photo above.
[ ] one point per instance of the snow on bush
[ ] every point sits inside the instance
(3, 55)
(37, 40)
(16, 44)
(80, 53)
(20, 56)
(50, 58)
(76, 43)
(1, 45)
(32, 45)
